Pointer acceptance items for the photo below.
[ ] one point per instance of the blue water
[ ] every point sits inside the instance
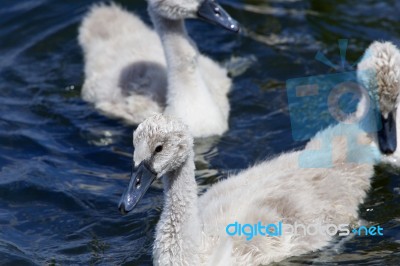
(63, 166)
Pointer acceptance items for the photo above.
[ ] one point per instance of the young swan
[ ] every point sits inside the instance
(126, 65)
(191, 230)
(379, 73)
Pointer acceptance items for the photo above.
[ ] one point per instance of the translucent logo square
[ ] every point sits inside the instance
(317, 102)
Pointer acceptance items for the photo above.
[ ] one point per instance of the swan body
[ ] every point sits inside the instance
(126, 73)
(191, 230)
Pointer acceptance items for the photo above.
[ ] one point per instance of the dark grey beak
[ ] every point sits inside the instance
(387, 137)
(138, 185)
(212, 12)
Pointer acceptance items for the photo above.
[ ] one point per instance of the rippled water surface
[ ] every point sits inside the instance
(63, 166)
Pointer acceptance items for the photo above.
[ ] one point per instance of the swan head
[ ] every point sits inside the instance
(379, 73)
(162, 145)
(208, 10)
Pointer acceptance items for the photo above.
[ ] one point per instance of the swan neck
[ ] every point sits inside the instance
(179, 227)
(180, 51)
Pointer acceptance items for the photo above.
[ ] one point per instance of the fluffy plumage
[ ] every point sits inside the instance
(175, 9)
(379, 72)
(126, 74)
(191, 230)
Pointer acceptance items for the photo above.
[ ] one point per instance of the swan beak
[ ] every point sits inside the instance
(387, 137)
(138, 185)
(212, 12)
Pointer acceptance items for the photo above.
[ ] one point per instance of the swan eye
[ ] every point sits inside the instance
(159, 148)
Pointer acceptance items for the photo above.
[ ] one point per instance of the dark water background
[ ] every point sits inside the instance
(63, 166)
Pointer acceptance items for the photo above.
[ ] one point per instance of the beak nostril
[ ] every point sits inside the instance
(217, 11)
(138, 183)
(212, 12)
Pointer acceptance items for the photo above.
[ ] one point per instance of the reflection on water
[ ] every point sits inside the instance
(63, 166)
